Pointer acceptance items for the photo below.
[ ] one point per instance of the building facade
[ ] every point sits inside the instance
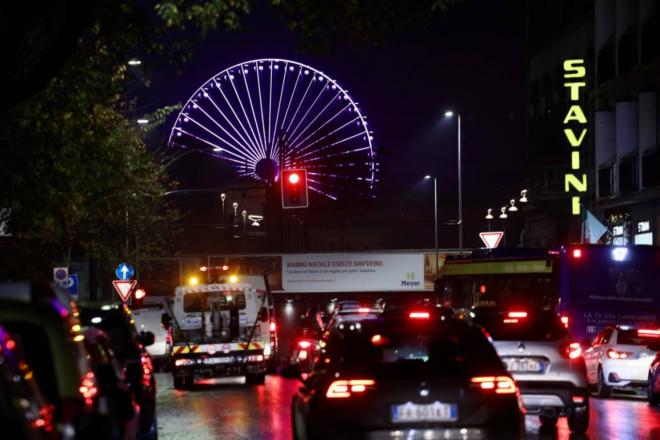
(619, 43)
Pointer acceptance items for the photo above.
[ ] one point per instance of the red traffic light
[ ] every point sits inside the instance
(294, 188)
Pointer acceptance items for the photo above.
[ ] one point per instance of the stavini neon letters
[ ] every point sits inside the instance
(575, 130)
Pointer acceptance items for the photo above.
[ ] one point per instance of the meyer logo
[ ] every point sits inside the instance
(410, 280)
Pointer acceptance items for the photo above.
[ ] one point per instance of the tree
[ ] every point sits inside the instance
(76, 175)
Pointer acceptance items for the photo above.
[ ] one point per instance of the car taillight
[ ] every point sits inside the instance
(168, 337)
(346, 388)
(614, 354)
(517, 314)
(304, 344)
(88, 388)
(147, 370)
(302, 354)
(572, 350)
(363, 310)
(419, 315)
(577, 253)
(564, 320)
(45, 420)
(499, 384)
(273, 326)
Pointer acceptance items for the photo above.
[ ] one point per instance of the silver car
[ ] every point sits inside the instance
(547, 364)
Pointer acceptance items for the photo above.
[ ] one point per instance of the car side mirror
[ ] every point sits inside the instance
(147, 338)
(166, 320)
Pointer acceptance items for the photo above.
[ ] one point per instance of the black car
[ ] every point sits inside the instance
(135, 363)
(24, 411)
(408, 375)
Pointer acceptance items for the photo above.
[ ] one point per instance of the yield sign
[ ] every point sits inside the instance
(124, 288)
(491, 239)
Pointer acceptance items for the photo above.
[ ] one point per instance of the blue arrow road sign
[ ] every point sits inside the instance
(73, 284)
(124, 271)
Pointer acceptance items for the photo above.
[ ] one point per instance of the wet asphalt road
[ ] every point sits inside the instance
(237, 411)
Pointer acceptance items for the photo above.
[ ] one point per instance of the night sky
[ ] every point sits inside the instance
(472, 60)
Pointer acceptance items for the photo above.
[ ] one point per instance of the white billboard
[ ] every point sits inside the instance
(352, 272)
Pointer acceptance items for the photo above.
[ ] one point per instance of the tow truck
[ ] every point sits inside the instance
(222, 329)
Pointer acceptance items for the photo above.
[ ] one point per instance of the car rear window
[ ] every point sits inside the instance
(440, 351)
(532, 328)
(632, 337)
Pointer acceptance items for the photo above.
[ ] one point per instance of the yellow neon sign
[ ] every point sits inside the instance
(575, 130)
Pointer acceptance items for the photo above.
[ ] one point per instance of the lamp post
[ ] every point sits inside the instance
(435, 219)
(489, 217)
(449, 114)
(504, 216)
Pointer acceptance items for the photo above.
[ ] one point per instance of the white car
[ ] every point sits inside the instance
(149, 318)
(619, 358)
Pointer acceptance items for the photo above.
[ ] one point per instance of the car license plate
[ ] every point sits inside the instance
(433, 412)
(523, 365)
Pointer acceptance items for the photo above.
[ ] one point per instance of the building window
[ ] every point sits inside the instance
(650, 40)
(651, 169)
(606, 62)
(628, 175)
(627, 53)
(605, 181)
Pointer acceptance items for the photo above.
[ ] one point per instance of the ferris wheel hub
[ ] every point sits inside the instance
(267, 169)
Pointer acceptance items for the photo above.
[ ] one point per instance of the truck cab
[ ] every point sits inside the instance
(222, 330)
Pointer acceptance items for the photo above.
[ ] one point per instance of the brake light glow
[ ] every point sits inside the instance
(613, 354)
(345, 388)
(147, 370)
(419, 315)
(578, 399)
(577, 253)
(648, 333)
(517, 314)
(501, 384)
(88, 388)
(572, 350)
(304, 344)
(376, 339)
(564, 320)
(273, 326)
(364, 310)
(302, 354)
(510, 321)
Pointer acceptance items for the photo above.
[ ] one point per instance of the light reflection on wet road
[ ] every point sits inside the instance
(238, 411)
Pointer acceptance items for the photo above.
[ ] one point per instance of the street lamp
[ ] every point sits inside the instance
(450, 114)
(489, 217)
(523, 196)
(435, 219)
(513, 207)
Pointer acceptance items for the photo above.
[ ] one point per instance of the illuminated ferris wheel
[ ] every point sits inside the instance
(267, 114)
